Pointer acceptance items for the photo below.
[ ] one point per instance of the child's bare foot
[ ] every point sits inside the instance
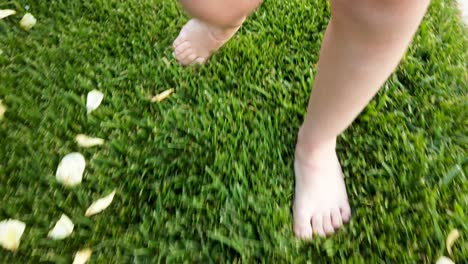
(198, 40)
(320, 202)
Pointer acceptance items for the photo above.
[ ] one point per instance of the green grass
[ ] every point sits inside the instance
(206, 176)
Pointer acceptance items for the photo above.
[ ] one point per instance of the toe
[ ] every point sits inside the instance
(336, 218)
(302, 227)
(345, 213)
(303, 232)
(182, 47)
(182, 56)
(317, 225)
(189, 59)
(327, 224)
(200, 61)
(179, 40)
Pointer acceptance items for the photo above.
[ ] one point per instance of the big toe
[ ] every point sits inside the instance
(180, 48)
(302, 226)
(188, 60)
(179, 40)
(345, 213)
(183, 57)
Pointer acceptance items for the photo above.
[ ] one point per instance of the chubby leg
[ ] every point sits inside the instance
(363, 44)
(214, 23)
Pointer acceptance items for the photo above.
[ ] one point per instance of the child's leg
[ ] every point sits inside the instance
(214, 23)
(363, 44)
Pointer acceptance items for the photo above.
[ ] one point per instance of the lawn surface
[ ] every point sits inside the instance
(206, 176)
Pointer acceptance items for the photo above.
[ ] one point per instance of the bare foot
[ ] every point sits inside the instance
(197, 41)
(320, 201)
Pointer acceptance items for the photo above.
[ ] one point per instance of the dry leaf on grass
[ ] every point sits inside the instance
(82, 256)
(62, 229)
(100, 204)
(11, 231)
(453, 235)
(2, 110)
(444, 260)
(93, 100)
(87, 142)
(28, 21)
(6, 12)
(162, 96)
(70, 170)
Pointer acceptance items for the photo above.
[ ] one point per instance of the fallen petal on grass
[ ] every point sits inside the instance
(62, 229)
(6, 12)
(452, 236)
(93, 100)
(82, 256)
(2, 110)
(70, 170)
(11, 231)
(87, 142)
(28, 21)
(100, 204)
(162, 96)
(444, 260)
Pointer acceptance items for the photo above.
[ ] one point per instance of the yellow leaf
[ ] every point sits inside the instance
(452, 236)
(2, 110)
(87, 142)
(162, 96)
(100, 204)
(6, 12)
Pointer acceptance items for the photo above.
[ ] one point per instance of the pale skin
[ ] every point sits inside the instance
(363, 44)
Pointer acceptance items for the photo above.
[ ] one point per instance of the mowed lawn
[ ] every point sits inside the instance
(206, 175)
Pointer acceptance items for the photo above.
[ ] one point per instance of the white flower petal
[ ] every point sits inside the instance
(11, 231)
(444, 260)
(62, 229)
(87, 142)
(453, 235)
(2, 110)
(28, 21)
(100, 204)
(70, 170)
(162, 96)
(82, 256)
(6, 12)
(93, 100)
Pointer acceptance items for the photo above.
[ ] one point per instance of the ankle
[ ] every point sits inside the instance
(310, 148)
(234, 24)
